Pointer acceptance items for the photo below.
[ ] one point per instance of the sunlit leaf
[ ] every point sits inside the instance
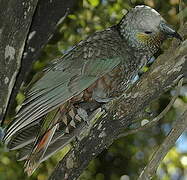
(94, 3)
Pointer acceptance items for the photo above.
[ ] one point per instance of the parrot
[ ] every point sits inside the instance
(59, 102)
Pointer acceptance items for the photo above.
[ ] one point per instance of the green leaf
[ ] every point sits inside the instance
(94, 3)
(72, 16)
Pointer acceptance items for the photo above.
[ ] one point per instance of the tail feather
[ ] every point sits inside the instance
(24, 152)
(58, 142)
(24, 137)
(42, 138)
(56, 146)
(39, 150)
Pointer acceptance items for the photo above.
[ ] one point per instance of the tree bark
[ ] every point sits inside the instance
(15, 18)
(49, 14)
(162, 75)
(23, 28)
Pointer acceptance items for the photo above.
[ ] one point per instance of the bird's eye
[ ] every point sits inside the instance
(147, 32)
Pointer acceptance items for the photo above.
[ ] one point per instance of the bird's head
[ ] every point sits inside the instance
(144, 29)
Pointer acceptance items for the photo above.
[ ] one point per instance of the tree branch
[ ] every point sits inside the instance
(179, 127)
(16, 17)
(158, 118)
(163, 75)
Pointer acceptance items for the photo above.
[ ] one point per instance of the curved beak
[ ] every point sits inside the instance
(169, 31)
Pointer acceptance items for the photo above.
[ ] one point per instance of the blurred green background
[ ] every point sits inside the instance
(125, 159)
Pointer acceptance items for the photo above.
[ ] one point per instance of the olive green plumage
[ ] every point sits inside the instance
(58, 105)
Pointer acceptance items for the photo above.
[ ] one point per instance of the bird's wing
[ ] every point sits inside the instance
(72, 74)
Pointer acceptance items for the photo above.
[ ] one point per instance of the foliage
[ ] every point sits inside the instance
(127, 156)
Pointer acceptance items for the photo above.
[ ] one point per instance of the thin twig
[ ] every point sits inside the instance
(159, 117)
(178, 127)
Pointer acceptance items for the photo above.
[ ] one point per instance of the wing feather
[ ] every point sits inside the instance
(67, 78)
